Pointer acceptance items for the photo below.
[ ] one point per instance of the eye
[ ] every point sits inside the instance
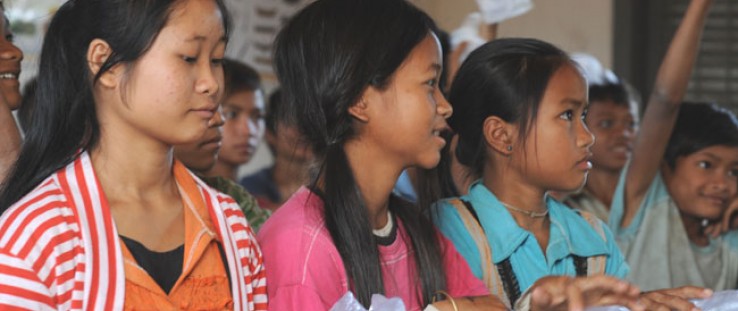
(10, 38)
(605, 124)
(256, 116)
(704, 164)
(733, 173)
(567, 115)
(584, 114)
(217, 61)
(189, 59)
(432, 83)
(229, 115)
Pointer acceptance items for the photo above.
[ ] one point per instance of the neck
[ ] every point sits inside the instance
(375, 181)
(602, 183)
(224, 170)
(133, 168)
(289, 175)
(695, 230)
(513, 189)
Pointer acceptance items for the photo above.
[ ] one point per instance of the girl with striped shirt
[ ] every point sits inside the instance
(97, 214)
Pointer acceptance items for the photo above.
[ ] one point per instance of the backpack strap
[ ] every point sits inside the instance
(595, 264)
(490, 273)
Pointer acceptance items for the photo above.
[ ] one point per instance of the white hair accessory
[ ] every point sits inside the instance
(593, 71)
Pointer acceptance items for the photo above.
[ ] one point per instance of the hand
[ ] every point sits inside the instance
(487, 303)
(674, 298)
(728, 222)
(576, 293)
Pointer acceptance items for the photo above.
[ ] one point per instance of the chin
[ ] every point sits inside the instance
(428, 164)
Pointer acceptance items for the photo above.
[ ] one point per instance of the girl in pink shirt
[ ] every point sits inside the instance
(360, 81)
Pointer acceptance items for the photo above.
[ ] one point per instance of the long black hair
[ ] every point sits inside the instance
(325, 57)
(63, 112)
(505, 78)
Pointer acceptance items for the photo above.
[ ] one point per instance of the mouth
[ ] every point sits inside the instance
(438, 135)
(716, 200)
(215, 141)
(585, 163)
(9, 75)
(622, 149)
(207, 111)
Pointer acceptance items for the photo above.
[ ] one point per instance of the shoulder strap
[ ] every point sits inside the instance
(490, 273)
(595, 264)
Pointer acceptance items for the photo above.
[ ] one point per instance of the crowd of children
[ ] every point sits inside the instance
(123, 191)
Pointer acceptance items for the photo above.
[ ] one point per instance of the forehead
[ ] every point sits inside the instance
(720, 153)
(566, 84)
(610, 107)
(426, 56)
(245, 99)
(201, 18)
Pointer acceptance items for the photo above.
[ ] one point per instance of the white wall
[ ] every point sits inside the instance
(573, 25)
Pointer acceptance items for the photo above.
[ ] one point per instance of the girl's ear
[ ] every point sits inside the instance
(361, 109)
(499, 134)
(97, 53)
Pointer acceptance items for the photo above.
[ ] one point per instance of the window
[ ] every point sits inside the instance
(643, 30)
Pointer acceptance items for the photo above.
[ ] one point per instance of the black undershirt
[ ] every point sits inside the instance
(165, 267)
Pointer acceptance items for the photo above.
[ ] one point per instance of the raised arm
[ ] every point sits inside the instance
(663, 106)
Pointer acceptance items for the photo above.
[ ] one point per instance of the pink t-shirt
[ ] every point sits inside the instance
(305, 270)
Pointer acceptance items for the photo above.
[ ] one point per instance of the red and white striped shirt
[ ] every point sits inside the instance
(59, 248)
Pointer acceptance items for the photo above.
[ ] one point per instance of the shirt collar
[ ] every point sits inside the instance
(507, 236)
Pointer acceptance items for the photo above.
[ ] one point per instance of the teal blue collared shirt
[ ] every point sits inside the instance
(570, 235)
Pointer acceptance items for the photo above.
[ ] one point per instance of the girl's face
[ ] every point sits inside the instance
(412, 111)
(244, 126)
(704, 183)
(615, 126)
(201, 155)
(10, 60)
(172, 91)
(557, 149)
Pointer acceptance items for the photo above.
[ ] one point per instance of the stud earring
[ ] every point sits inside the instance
(509, 148)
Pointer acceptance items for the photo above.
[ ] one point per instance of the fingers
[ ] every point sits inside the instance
(540, 299)
(607, 283)
(674, 298)
(575, 297)
(689, 292)
(714, 230)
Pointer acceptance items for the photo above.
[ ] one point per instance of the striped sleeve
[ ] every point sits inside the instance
(20, 287)
(41, 256)
(249, 252)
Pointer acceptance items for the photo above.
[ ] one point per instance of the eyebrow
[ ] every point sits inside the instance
(435, 66)
(574, 102)
(200, 38)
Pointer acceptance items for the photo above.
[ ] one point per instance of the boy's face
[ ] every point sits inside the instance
(615, 127)
(704, 183)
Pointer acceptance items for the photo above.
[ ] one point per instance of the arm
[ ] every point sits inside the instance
(663, 107)
(10, 140)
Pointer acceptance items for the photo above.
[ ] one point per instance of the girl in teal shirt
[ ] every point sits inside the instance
(519, 106)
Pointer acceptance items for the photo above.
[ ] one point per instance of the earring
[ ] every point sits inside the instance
(509, 148)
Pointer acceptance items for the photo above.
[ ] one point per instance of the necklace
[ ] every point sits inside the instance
(530, 214)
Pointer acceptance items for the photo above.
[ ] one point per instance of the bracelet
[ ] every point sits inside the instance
(448, 296)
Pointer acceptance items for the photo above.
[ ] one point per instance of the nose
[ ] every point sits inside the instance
(628, 131)
(443, 107)
(721, 180)
(217, 119)
(209, 80)
(8, 51)
(585, 138)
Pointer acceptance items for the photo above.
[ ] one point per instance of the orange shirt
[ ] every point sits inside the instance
(203, 284)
